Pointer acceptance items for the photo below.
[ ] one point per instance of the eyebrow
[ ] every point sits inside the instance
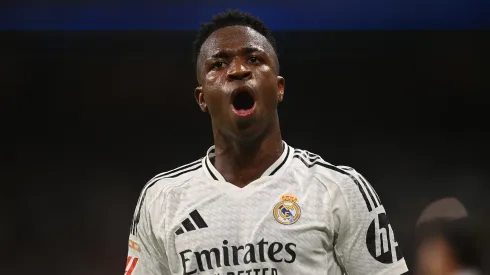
(227, 53)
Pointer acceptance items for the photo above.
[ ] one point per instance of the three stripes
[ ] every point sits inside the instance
(190, 224)
(369, 195)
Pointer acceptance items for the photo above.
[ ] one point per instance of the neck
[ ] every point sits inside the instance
(243, 162)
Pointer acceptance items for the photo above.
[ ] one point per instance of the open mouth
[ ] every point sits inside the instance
(243, 103)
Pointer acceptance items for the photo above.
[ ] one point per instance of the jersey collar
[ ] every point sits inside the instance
(274, 170)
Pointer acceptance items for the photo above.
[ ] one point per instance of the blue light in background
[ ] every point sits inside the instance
(278, 15)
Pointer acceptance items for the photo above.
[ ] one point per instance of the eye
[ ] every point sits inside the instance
(254, 59)
(218, 65)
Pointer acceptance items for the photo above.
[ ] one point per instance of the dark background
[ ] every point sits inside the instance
(89, 117)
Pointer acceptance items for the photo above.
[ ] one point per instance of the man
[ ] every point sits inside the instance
(253, 204)
(448, 242)
(449, 247)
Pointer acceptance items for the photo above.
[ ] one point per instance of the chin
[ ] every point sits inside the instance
(245, 124)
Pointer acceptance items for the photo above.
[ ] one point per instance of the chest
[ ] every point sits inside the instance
(274, 224)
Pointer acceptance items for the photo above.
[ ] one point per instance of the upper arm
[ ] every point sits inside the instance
(365, 242)
(146, 254)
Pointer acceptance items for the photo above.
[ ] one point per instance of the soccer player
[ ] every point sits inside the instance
(254, 204)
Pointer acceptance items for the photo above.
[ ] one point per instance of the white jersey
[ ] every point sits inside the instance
(303, 216)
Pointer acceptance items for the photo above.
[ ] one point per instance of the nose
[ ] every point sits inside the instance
(238, 71)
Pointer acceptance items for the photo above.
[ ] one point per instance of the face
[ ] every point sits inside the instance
(239, 86)
(434, 257)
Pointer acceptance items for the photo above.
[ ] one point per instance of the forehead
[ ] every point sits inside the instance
(234, 38)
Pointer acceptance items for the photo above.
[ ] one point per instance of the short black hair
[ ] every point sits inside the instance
(230, 18)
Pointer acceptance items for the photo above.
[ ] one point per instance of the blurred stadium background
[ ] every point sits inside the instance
(97, 97)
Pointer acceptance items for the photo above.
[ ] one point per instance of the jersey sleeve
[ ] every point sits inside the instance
(146, 255)
(365, 241)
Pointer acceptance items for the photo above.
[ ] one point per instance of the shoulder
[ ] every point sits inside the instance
(159, 186)
(349, 183)
(314, 165)
(345, 178)
(165, 181)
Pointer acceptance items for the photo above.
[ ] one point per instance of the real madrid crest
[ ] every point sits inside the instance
(287, 211)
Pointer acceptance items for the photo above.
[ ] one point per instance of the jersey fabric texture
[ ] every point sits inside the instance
(303, 216)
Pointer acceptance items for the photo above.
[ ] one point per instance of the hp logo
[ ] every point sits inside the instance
(381, 242)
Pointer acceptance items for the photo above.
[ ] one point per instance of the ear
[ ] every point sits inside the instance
(280, 88)
(199, 96)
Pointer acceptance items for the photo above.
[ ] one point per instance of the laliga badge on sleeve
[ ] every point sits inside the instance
(134, 245)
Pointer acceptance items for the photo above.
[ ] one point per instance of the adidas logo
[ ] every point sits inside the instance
(191, 223)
